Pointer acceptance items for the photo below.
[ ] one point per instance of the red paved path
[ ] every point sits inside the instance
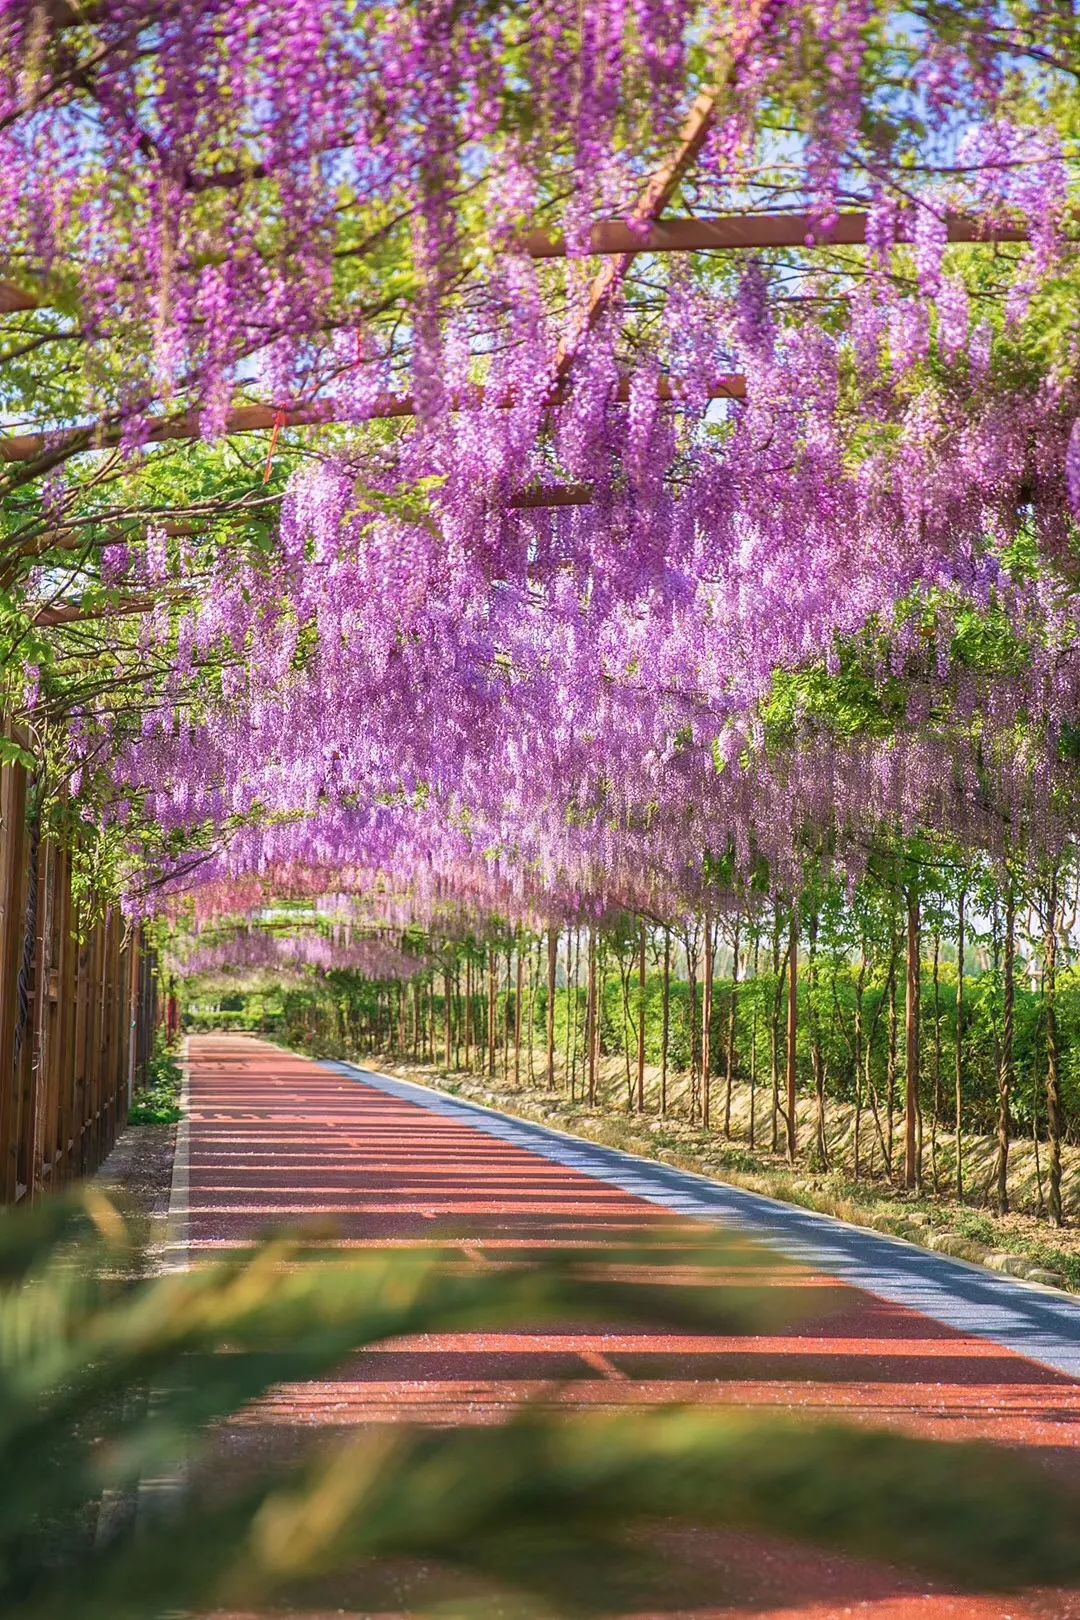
(274, 1137)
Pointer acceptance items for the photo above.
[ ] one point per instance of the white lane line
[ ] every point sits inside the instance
(1038, 1323)
(157, 1494)
(178, 1222)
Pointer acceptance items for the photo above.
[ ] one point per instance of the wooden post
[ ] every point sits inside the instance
(32, 973)
(12, 912)
(67, 1006)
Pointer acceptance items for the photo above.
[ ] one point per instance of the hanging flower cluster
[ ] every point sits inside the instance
(710, 573)
(246, 949)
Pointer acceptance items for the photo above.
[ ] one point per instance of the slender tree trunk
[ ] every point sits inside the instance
(534, 979)
(1053, 1056)
(448, 1042)
(506, 1017)
(573, 974)
(517, 1022)
(753, 1041)
(706, 1022)
(492, 1042)
(665, 1020)
(890, 1075)
(625, 969)
(733, 1013)
(857, 1050)
(774, 1029)
(937, 1109)
(1005, 1067)
(817, 1057)
(416, 1024)
(792, 1030)
(552, 960)
(960, 1047)
(458, 1015)
(912, 1154)
(695, 1043)
(591, 1018)
(1040, 1207)
(641, 1020)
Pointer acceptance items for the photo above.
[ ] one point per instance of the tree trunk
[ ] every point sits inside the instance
(573, 974)
(1005, 1067)
(665, 1023)
(792, 1030)
(695, 1072)
(733, 1010)
(912, 1146)
(960, 1046)
(506, 1017)
(706, 1022)
(857, 1049)
(753, 1041)
(592, 1019)
(552, 959)
(817, 1057)
(890, 1073)
(448, 1042)
(535, 957)
(936, 1115)
(493, 957)
(774, 1030)
(517, 1023)
(1053, 1068)
(641, 1020)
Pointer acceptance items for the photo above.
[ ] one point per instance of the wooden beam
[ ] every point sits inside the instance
(616, 236)
(551, 495)
(663, 183)
(76, 613)
(261, 418)
(14, 299)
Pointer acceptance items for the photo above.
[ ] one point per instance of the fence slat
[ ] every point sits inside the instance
(69, 1062)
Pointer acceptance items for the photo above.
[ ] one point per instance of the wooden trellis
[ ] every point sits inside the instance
(77, 1012)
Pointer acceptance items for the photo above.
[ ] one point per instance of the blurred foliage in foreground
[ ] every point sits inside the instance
(107, 1380)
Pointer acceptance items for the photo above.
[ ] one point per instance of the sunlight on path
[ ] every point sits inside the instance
(274, 1138)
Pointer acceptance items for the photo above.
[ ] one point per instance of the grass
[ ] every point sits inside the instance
(158, 1101)
(926, 1218)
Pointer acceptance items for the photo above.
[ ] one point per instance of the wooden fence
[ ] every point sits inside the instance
(77, 1012)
